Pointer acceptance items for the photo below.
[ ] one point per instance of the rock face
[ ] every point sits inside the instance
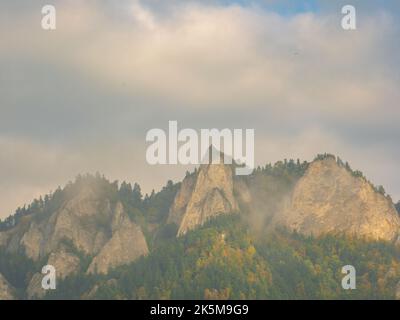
(64, 262)
(182, 199)
(81, 221)
(329, 199)
(88, 222)
(126, 244)
(201, 197)
(6, 291)
(91, 223)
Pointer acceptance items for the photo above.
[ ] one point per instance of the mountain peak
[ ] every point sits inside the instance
(330, 198)
(86, 219)
(203, 195)
(93, 226)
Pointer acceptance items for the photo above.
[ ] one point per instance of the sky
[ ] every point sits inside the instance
(81, 98)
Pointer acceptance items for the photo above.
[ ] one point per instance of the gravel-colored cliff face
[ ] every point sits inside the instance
(81, 220)
(182, 199)
(209, 195)
(6, 291)
(89, 222)
(65, 264)
(329, 199)
(126, 244)
(88, 230)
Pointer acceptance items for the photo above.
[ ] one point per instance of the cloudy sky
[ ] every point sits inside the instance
(81, 98)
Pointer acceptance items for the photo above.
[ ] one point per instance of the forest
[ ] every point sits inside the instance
(223, 259)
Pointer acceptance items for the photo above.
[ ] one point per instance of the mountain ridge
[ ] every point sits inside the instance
(329, 199)
(93, 226)
(221, 186)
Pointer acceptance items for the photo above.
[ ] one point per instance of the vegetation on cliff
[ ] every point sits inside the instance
(232, 256)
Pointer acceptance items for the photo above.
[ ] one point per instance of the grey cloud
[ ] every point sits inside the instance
(82, 98)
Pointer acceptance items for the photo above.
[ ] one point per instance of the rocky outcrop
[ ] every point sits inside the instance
(64, 262)
(329, 199)
(126, 244)
(87, 223)
(11, 239)
(211, 194)
(93, 224)
(83, 221)
(182, 199)
(6, 291)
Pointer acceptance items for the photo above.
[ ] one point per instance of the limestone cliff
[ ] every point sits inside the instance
(80, 220)
(208, 194)
(6, 291)
(126, 244)
(90, 231)
(330, 199)
(88, 222)
(65, 264)
(182, 199)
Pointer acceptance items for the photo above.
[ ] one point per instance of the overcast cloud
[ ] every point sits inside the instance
(81, 98)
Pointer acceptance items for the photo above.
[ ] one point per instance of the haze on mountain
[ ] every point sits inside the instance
(284, 231)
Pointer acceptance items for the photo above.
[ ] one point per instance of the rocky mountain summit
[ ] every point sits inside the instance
(93, 226)
(87, 223)
(330, 199)
(206, 194)
(125, 245)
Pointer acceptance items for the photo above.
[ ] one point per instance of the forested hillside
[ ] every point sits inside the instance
(222, 260)
(236, 255)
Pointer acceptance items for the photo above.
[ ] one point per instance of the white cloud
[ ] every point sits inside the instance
(205, 56)
(300, 74)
